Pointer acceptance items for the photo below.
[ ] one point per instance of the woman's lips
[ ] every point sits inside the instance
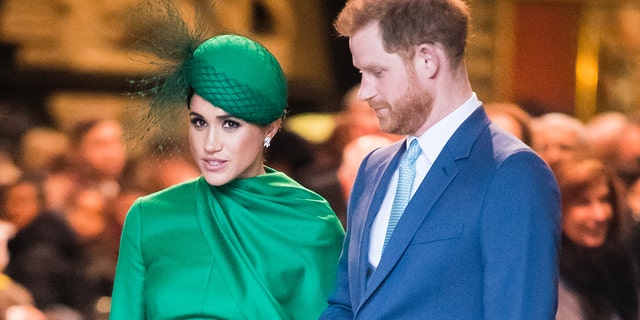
(214, 164)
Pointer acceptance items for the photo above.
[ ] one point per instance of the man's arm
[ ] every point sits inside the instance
(340, 301)
(520, 240)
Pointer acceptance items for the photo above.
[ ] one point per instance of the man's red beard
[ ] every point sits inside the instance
(408, 114)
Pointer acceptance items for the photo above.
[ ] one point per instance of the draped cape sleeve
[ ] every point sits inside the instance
(257, 248)
(280, 243)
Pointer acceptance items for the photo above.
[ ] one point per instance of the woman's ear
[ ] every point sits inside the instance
(273, 128)
(428, 58)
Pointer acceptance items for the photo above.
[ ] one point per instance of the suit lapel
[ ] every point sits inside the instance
(379, 177)
(439, 177)
(441, 174)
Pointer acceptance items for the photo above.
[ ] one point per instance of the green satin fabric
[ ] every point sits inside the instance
(257, 248)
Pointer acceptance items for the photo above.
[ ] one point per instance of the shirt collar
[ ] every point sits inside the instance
(433, 140)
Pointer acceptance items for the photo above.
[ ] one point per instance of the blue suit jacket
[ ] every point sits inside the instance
(478, 240)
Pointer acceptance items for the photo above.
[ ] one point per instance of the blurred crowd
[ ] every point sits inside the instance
(64, 197)
(64, 200)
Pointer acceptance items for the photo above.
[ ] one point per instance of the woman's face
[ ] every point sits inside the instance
(587, 221)
(224, 147)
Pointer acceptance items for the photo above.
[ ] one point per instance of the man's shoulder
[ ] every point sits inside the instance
(505, 145)
(385, 153)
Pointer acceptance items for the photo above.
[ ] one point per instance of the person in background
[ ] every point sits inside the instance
(511, 117)
(43, 250)
(598, 276)
(627, 152)
(154, 170)
(116, 213)
(355, 119)
(633, 199)
(242, 241)
(98, 157)
(473, 232)
(352, 156)
(9, 171)
(40, 147)
(95, 263)
(603, 131)
(16, 302)
(558, 136)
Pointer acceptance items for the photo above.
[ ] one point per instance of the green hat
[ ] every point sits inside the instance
(239, 76)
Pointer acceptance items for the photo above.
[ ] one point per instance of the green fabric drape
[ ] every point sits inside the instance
(257, 248)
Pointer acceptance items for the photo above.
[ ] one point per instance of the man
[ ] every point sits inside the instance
(479, 237)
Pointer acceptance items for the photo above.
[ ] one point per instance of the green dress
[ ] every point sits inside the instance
(257, 248)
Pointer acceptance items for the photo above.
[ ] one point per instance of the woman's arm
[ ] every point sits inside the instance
(128, 291)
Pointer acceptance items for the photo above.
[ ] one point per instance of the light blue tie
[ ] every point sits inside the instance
(407, 170)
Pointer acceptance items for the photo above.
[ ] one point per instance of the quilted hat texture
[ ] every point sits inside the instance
(239, 76)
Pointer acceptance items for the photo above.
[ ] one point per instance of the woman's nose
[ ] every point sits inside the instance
(212, 143)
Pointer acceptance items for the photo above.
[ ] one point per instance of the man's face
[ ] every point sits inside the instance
(389, 84)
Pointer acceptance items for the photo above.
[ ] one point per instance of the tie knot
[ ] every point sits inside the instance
(411, 155)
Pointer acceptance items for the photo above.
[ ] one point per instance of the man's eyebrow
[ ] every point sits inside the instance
(371, 67)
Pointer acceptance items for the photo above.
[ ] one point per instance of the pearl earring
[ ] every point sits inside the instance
(267, 142)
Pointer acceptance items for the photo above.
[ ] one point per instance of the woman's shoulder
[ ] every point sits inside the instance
(173, 196)
(176, 189)
(568, 303)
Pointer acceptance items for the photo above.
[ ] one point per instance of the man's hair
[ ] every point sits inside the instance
(405, 24)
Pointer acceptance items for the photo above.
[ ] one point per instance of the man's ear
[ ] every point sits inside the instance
(429, 58)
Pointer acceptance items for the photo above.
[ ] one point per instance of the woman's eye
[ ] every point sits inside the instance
(230, 124)
(198, 122)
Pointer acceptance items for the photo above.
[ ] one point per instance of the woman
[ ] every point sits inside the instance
(598, 279)
(242, 241)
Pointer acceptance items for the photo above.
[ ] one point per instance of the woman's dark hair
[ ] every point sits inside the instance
(576, 177)
(190, 94)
